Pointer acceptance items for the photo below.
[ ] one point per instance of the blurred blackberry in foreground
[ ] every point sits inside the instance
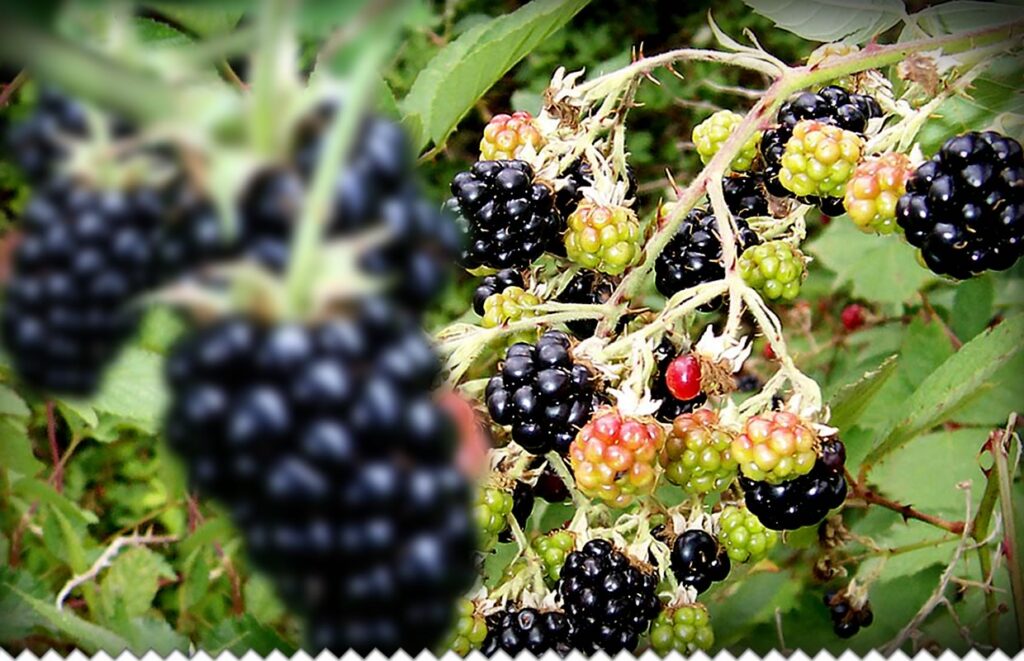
(511, 218)
(38, 144)
(609, 600)
(542, 393)
(325, 444)
(85, 254)
(964, 209)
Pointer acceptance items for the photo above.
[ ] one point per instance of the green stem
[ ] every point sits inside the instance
(979, 531)
(1000, 451)
(274, 30)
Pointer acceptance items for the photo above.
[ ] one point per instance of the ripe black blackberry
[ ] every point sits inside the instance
(191, 234)
(832, 105)
(511, 219)
(84, 255)
(964, 208)
(522, 508)
(495, 284)
(847, 620)
(745, 195)
(39, 144)
(803, 501)
(551, 487)
(527, 629)
(325, 444)
(694, 255)
(671, 408)
(698, 560)
(578, 176)
(609, 600)
(586, 287)
(542, 394)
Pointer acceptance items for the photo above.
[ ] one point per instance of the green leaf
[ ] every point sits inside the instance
(877, 268)
(242, 635)
(972, 307)
(755, 600)
(18, 622)
(963, 376)
(132, 581)
(465, 69)
(261, 600)
(133, 390)
(146, 634)
(12, 404)
(33, 489)
(198, 18)
(832, 20)
(16, 449)
(90, 637)
(211, 531)
(959, 16)
(74, 550)
(196, 581)
(158, 34)
(851, 400)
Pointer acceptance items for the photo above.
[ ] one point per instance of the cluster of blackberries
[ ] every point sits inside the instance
(830, 105)
(847, 620)
(375, 190)
(542, 393)
(84, 255)
(803, 501)
(698, 560)
(335, 462)
(964, 208)
(40, 143)
(610, 601)
(515, 630)
(694, 255)
(510, 218)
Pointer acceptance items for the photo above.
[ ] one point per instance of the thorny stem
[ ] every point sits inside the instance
(859, 490)
(1001, 450)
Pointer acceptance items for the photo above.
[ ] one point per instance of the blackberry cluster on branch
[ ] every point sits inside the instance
(964, 208)
(336, 463)
(831, 105)
(694, 255)
(609, 600)
(803, 501)
(85, 254)
(519, 629)
(542, 393)
(511, 219)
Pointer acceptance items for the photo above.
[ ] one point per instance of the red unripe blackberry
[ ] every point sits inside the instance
(682, 378)
(671, 406)
(852, 317)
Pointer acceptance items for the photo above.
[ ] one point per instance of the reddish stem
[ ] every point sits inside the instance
(906, 511)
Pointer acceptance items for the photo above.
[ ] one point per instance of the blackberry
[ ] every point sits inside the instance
(495, 284)
(39, 144)
(470, 629)
(776, 269)
(709, 135)
(609, 600)
(519, 629)
(847, 620)
(550, 487)
(694, 255)
(964, 209)
(831, 105)
(84, 255)
(513, 304)
(697, 454)
(671, 407)
(614, 457)
(748, 382)
(698, 560)
(192, 233)
(509, 136)
(542, 394)
(327, 447)
(745, 195)
(522, 508)
(743, 536)
(684, 629)
(819, 159)
(775, 447)
(511, 219)
(603, 238)
(800, 502)
(578, 176)
(553, 549)
(491, 512)
(874, 190)
(587, 287)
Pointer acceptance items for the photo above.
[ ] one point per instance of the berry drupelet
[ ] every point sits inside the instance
(964, 209)
(511, 218)
(327, 447)
(609, 600)
(698, 560)
(745, 195)
(542, 394)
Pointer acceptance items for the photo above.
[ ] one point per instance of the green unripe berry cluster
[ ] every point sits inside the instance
(470, 629)
(776, 269)
(684, 629)
(553, 549)
(491, 512)
(744, 537)
(709, 135)
(512, 304)
(819, 159)
(605, 239)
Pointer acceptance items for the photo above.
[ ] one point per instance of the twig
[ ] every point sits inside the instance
(51, 434)
(1001, 451)
(906, 511)
(10, 88)
(932, 315)
(106, 558)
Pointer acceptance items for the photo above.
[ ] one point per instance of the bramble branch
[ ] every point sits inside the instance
(106, 558)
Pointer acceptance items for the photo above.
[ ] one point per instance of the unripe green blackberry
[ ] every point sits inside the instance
(744, 537)
(874, 190)
(470, 629)
(684, 629)
(697, 454)
(601, 238)
(512, 304)
(553, 549)
(507, 137)
(819, 159)
(709, 135)
(492, 508)
(776, 269)
(775, 447)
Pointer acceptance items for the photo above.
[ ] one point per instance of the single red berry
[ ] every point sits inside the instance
(853, 317)
(683, 377)
(768, 352)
